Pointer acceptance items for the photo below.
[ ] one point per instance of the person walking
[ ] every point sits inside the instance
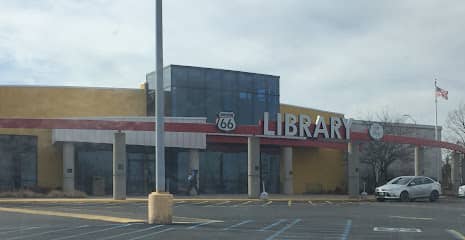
(192, 182)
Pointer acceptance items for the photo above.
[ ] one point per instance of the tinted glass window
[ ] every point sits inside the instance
(427, 181)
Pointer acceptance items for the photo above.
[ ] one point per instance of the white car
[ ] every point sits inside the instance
(461, 192)
(409, 188)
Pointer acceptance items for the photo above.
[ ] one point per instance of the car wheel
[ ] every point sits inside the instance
(433, 196)
(380, 199)
(404, 197)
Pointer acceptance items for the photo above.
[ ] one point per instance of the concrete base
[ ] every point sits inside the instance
(160, 208)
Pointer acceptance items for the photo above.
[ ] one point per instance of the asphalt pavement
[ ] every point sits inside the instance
(246, 219)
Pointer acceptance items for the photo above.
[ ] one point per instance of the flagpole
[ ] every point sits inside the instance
(436, 127)
(436, 104)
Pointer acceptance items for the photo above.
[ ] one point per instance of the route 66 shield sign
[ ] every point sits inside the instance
(225, 121)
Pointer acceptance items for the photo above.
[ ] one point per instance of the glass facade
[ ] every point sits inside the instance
(18, 162)
(194, 92)
(203, 92)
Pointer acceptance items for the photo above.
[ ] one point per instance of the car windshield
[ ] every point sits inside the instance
(400, 180)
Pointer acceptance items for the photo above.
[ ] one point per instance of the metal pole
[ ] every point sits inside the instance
(159, 106)
(436, 104)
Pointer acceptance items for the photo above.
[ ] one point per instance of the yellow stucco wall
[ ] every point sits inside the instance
(58, 102)
(51, 102)
(316, 170)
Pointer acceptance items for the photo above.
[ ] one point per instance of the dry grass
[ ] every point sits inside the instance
(50, 194)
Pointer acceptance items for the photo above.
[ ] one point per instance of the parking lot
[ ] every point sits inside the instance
(244, 219)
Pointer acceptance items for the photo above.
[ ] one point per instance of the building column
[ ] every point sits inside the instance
(68, 167)
(119, 166)
(253, 169)
(455, 171)
(463, 167)
(194, 164)
(287, 174)
(353, 166)
(418, 161)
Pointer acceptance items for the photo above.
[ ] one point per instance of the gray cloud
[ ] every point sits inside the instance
(353, 57)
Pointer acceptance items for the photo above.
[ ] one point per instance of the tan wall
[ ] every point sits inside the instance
(57, 102)
(317, 170)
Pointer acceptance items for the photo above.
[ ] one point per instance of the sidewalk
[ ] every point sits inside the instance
(203, 197)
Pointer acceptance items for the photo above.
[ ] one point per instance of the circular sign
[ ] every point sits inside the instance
(376, 131)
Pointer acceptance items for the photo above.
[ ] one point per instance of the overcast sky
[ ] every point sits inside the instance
(353, 57)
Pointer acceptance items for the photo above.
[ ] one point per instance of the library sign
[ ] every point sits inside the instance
(301, 126)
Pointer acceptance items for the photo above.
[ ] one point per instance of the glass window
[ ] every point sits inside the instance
(427, 181)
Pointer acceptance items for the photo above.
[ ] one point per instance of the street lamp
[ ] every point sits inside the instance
(160, 203)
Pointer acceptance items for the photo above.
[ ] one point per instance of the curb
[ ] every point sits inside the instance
(142, 200)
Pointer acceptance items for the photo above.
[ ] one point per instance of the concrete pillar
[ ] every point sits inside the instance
(68, 167)
(119, 166)
(286, 168)
(353, 167)
(253, 154)
(463, 168)
(418, 161)
(194, 163)
(455, 171)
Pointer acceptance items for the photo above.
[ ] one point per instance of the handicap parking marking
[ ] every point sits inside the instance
(394, 229)
(131, 232)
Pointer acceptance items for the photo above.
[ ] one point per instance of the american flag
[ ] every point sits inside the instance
(441, 93)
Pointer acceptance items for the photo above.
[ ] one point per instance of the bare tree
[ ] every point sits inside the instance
(379, 156)
(455, 123)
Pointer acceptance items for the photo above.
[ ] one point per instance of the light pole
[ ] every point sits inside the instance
(160, 203)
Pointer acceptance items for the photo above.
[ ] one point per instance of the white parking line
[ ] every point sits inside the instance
(311, 203)
(391, 229)
(456, 234)
(151, 234)
(345, 235)
(127, 233)
(412, 218)
(200, 224)
(85, 233)
(283, 229)
(242, 204)
(267, 203)
(272, 225)
(237, 225)
(202, 202)
(218, 204)
(20, 229)
(46, 232)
